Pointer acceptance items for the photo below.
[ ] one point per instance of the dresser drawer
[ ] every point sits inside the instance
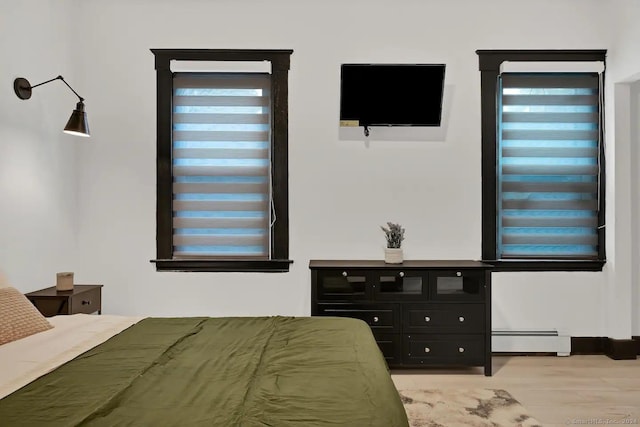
(380, 317)
(439, 318)
(87, 302)
(443, 349)
(391, 347)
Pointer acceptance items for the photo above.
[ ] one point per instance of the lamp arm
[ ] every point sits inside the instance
(63, 81)
(48, 81)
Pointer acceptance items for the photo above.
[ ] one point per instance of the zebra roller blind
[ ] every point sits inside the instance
(548, 165)
(221, 165)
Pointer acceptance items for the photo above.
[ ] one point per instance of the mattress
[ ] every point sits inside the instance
(272, 371)
(24, 360)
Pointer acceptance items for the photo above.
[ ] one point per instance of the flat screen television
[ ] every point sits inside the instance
(391, 94)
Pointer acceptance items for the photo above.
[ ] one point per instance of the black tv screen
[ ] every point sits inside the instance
(391, 94)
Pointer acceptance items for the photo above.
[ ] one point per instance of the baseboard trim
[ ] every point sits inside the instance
(616, 349)
(636, 338)
(587, 345)
(524, 353)
(621, 349)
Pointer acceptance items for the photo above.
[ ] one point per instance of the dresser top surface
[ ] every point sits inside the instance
(448, 264)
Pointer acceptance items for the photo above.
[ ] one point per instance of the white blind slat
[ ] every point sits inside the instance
(206, 135)
(215, 118)
(224, 252)
(200, 222)
(217, 240)
(550, 80)
(549, 239)
(550, 169)
(220, 188)
(221, 81)
(546, 135)
(549, 152)
(224, 101)
(549, 100)
(548, 187)
(527, 204)
(541, 117)
(220, 170)
(219, 205)
(213, 153)
(547, 222)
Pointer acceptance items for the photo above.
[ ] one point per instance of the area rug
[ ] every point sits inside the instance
(471, 407)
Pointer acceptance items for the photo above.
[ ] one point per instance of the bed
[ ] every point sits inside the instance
(246, 371)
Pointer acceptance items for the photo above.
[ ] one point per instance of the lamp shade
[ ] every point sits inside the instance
(77, 124)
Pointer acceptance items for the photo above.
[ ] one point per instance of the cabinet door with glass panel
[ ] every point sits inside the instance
(401, 284)
(343, 284)
(457, 285)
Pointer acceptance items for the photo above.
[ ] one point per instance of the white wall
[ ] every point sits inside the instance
(624, 70)
(37, 160)
(340, 190)
(635, 200)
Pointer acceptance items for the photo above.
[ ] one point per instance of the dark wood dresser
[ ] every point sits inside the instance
(422, 313)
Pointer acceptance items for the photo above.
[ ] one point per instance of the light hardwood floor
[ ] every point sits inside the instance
(556, 390)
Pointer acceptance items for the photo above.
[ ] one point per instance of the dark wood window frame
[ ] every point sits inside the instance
(490, 62)
(280, 60)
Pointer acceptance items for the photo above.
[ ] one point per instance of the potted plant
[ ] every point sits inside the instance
(394, 234)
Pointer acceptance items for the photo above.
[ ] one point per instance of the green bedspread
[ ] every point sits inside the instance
(269, 371)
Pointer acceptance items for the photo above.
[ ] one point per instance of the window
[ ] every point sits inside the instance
(222, 164)
(542, 164)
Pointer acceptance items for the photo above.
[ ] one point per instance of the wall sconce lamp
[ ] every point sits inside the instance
(77, 124)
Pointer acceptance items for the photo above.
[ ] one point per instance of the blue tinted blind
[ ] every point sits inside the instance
(548, 165)
(221, 165)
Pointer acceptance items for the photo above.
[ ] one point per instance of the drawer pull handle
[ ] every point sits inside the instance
(86, 302)
(427, 349)
(427, 319)
(458, 273)
(461, 319)
(401, 274)
(344, 273)
(375, 319)
(461, 349)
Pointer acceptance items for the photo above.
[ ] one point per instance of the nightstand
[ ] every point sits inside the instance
(82, 299)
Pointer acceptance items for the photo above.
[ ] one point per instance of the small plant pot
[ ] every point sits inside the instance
(393, 255)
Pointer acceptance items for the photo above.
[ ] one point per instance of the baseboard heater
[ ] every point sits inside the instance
(530, 341)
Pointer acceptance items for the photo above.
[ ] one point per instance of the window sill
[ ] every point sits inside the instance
(240, 266)
(546, 265)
